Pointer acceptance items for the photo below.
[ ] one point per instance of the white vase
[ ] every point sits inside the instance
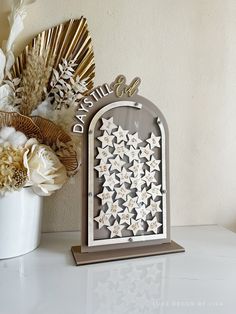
(20, 223)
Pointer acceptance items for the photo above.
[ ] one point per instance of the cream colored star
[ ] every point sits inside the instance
(134, 140)
(110, 181)
(146, 152)
(153, 225)
(141, 212)
(116, 229)
(154, 140)
(102, 219)
(153, 164)
(154, 207)
(121, 135)
(102, 168)
(135, 226)
(106, 139)
(116, 163)
(108, 125)
(103, 154)
(136, 183)
(131, 203)
(143, 196)
(124, 176)
(113, 209)
(132, 154)
(106, 196)
(149, 177)
(155, 191)
(122, 192)
(125, 217)
(137, 168)
(119, 149)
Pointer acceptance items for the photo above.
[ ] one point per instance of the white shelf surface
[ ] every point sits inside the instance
(201, 280)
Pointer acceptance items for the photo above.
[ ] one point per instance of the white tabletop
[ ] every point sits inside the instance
(201, 280)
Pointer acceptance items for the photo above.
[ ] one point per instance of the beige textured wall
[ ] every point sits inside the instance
(185, 53)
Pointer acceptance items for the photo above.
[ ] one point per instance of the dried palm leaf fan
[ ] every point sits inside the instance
(71, 41)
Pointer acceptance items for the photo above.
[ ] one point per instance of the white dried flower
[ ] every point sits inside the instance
(9, 136)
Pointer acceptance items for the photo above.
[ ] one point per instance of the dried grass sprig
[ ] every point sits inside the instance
(35, 77)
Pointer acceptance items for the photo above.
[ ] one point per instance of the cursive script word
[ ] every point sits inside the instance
(121, 89)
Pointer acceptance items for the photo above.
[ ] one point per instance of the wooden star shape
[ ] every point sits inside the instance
(110, 181)
(142, 212)
(135, 226)
(155, 191)
(154, 141)
(102, 168)
(106, 139)
(102, 219)
(108, 125)
(146, 152)
(149, 177)
(137, 168)
(122, 192)
(124, 176)
(131, 203)
(113, 209)
(134, 140)
(116, 229)
(125, 217)
(136, 183)
(120, 149)
(116, 163)
(153, 164)
(121, 135)
(103, 154)
(132, 154)
(106, 196)
(143, 196)
(154, 207)
(153, 225)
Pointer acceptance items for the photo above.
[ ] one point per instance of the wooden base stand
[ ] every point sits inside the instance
(119, 254)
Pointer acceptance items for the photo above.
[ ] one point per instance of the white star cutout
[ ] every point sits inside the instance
(146, 152)
(116, 229)
(149, 177)
(132, 154)
(155, 190)
(154, 207)
(137, 168)
(119, 149)
(116, 163)
(102, 168)
(135, 226)
(136, 183)
(130, 203)
(106, 196)
(110, 181)
(154, 141)
(121, 135)
(108, 125)
(153, 164)
(141, 212)
(153, 225)
(102, 219)
(124, 176)
(103, 154)
(133, 140)
(122, 192)
(143, 196)
(125, 217)
(106, 139)
(114, 209)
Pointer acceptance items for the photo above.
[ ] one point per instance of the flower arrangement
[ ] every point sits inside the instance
(39, 92)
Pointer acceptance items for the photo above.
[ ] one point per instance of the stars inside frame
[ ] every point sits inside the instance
(127, 175)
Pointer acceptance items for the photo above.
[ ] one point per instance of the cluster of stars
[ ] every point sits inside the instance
(130, 188)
